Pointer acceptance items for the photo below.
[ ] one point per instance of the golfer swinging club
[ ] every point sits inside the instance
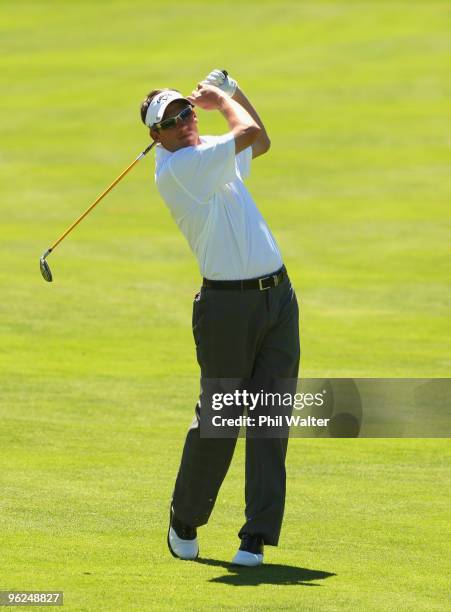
(245, 317)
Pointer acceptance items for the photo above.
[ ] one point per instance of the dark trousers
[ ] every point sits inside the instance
(248, 334)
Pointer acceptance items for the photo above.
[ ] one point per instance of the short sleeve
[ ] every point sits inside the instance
(204, 169)
(243, 162)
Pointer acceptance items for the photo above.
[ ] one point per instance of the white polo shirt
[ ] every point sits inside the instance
(204, 190)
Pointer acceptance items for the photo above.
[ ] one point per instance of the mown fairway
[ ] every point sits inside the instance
(97, 370)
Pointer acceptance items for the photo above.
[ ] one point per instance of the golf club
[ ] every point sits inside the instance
(43, 264)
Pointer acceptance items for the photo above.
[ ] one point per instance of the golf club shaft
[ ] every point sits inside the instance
(101, 196)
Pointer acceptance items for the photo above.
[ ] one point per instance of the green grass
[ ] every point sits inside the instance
(98, 377)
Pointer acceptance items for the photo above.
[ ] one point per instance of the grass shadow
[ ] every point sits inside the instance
(265, 574)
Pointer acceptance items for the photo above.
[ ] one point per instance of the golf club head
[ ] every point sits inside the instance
(45, 270)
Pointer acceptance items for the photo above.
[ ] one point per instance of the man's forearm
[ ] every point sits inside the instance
(263, 142)
(235, 113)
(243, 126)
(246, 131)
(239, 97)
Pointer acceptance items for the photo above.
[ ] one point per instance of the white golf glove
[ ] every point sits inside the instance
(221, 79)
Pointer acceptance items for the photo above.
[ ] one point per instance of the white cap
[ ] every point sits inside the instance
(159, 104)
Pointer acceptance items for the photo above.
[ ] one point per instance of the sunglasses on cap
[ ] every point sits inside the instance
(172, 121)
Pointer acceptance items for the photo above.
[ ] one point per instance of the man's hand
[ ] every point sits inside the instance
(207, 97)
(220, 78)
(245, 130)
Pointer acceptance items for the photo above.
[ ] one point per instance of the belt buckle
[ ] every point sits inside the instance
(260, 281)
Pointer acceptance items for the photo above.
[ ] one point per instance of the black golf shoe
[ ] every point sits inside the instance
(250, 552)
(182, 539)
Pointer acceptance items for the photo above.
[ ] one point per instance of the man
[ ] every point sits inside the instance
(245, 317)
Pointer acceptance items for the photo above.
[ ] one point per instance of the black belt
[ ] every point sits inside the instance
(262, 283)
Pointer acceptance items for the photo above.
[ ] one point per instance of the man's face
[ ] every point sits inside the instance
(184, 134)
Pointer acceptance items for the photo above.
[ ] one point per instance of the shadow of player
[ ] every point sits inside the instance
(265, 574)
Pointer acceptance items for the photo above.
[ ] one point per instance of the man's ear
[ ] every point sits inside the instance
(154, 134)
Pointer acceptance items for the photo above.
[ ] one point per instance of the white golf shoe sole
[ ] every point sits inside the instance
(187, 550)
(247, 559)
